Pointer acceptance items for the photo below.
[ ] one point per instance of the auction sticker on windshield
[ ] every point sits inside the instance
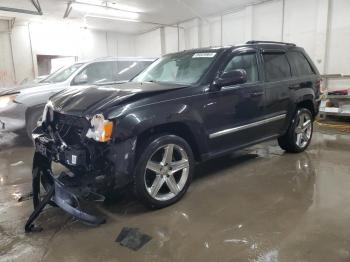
(196, 55)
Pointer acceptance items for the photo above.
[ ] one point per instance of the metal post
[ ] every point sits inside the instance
(221, 30)
(328, 33)
(178, 38)
(283, 14)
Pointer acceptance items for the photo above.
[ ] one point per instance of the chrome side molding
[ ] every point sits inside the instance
(240, 128)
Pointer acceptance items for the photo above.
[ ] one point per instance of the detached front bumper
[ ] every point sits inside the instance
(70, 202)
(91, 169)
(66, 190)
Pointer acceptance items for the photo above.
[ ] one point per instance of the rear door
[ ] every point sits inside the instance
(304, 74)
(277, 74)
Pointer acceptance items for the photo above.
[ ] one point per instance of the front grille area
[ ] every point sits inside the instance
(71, 128)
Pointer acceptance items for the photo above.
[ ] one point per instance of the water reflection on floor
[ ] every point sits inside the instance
(259, 204)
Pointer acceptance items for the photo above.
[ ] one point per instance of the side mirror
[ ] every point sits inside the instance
(233, 77)
(80, 79)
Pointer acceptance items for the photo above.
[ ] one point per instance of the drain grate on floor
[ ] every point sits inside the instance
(132, 238)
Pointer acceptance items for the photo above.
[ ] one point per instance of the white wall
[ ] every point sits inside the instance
(302, 22)
(6, 66)
(171, 39)
(339, 56)
(298, 21)
(120, 45)
(189, 34)
(62, 39)
(339, 42)
(267, 21)
(22, 53)
(234, 28)
(215, 37)
(72, 40)
(148, 44)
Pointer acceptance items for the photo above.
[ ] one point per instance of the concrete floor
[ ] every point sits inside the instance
(256, 205)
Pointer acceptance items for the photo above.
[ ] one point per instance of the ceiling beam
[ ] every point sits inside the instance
(24, 11)
(17, 10)
(68, 10)
(36, 4)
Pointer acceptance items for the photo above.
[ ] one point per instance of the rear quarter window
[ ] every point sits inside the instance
(299, 63)
(276, 66)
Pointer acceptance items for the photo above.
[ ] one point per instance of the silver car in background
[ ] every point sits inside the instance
(21, 108)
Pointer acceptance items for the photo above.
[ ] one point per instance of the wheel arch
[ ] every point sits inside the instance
(308, 104)
(174, 128)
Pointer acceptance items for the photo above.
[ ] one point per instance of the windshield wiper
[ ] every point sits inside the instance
(110, 82)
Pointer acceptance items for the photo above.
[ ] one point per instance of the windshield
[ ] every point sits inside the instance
(180, 68)
(62, 74)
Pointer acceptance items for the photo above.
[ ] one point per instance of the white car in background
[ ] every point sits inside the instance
(21, 108)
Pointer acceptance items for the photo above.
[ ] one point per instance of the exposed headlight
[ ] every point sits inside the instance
(5, 100)
(101, 129)
(48, 112)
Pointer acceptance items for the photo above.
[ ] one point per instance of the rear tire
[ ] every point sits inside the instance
(163, 171)
(299, 134)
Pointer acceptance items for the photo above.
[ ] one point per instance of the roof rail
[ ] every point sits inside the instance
(251, 42)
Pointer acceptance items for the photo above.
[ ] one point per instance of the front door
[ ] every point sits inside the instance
(233, 113)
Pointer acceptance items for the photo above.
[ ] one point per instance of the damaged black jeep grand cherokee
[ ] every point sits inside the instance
(184, 108)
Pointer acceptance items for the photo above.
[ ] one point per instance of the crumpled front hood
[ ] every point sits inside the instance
(85, 101)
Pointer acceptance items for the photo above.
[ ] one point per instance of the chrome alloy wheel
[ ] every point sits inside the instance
(166, 172)
(303, 130)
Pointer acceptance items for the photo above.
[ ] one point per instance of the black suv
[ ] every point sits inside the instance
(184, 108)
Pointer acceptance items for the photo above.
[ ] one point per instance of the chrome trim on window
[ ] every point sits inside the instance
(240, 128)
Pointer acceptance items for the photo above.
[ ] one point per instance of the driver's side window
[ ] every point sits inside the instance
(247, 62)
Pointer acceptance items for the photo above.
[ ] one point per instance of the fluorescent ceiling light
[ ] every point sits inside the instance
(113, 4)
(123, 7)
(112, 18)
(102, 10)
(91, 2)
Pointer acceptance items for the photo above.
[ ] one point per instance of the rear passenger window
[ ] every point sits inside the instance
(300, 65)
(276, 66)
(247, 62)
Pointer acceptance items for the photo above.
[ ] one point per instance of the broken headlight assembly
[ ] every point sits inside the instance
(101, 129)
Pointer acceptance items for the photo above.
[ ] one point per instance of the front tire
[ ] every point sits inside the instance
(299, 133)
(163, 171)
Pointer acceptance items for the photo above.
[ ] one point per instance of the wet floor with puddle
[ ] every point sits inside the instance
(259, 204)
